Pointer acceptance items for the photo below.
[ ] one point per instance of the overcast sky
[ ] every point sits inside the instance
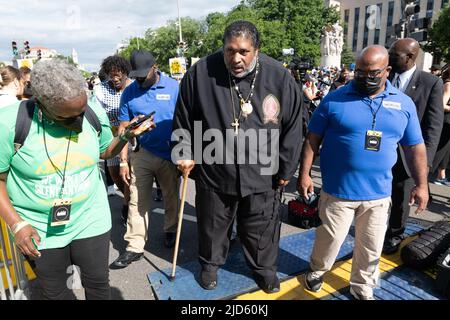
(92, 27)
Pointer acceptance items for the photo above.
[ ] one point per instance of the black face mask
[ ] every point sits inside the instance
(75, 123)
(367, 86)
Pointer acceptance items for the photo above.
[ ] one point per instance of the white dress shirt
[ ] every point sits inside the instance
(404, 80)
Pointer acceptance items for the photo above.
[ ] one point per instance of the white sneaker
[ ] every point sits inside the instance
(360, 297)
(313, 281)
(111, 191)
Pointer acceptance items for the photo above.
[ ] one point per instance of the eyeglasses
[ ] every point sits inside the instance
(371, 74)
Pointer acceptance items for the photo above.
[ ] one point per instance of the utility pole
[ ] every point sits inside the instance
(179, 21)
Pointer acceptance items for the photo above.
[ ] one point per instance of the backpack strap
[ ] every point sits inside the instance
(93, 120)
(23, 123)
(25, 117)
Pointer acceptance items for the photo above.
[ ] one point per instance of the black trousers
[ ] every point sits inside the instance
(401, 190)
(442, 157)
(258, 227)
(53, 269)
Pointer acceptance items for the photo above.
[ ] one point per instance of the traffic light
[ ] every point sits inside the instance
(183, 45)
(419, 36)
(418, 29)
(39, 54)
(14, 48)
(394, 31)
(422, 23)
(26, 46)
(411, 8)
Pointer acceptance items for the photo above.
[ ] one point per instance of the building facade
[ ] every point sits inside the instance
(368, 22)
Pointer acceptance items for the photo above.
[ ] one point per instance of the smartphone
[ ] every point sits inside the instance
(141, 120)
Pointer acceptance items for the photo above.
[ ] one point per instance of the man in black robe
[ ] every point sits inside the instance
(239, 118)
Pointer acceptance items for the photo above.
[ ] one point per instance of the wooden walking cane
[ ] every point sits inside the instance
(180, 221)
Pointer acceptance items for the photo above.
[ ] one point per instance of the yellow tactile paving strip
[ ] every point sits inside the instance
(335, 280)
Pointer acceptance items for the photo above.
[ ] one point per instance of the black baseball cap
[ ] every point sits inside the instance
(141, 62)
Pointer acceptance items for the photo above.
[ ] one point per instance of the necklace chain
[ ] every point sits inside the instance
(252, 87)
(236, 87)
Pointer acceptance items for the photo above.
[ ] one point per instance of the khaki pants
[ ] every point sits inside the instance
(144, 167)
(371, 219)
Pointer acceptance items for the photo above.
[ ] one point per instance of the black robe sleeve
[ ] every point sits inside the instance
(291, 131)
(183, 115)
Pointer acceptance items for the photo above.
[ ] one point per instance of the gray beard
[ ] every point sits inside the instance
(245, 73)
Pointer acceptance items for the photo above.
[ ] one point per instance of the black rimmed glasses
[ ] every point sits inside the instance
(370, 74)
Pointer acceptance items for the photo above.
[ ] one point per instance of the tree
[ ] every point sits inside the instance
(164, 41)
(69, 59)
(282, 24)
(299, 21)
(439, 36)
(272, 32)
(347, 56)
(135, 43)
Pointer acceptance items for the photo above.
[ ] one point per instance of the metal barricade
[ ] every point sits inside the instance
(14, 284)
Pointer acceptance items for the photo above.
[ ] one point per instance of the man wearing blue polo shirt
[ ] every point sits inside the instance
(359, 127)
(152, 91)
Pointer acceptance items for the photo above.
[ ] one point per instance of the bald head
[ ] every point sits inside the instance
(373, 55)
(372, 70)
(403, 54)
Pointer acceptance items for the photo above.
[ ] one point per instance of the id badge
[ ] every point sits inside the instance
(373, 140)
(61, 212)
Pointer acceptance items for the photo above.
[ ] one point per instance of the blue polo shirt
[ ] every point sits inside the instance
(342, 119)
(161, 97)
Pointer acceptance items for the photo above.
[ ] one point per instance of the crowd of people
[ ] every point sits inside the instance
(380, 129)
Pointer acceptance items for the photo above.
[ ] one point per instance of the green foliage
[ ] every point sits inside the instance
(439, 36)
(134, 44)
(282, 24)
(86, 74)
(347, 56)
(164, 42)
(68, 59)
(299, 21)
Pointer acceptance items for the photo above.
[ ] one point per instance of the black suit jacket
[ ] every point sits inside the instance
(426, 90)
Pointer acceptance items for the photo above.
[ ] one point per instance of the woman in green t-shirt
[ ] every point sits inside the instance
(52, 195)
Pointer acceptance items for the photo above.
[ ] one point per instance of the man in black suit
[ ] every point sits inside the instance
(426, 90)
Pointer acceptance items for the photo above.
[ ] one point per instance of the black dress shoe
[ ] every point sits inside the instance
(268, 285)
(125, 259)
(392, 244)
(169, 241)
(208, 280)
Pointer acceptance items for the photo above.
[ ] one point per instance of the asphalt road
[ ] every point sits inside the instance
(131, 283)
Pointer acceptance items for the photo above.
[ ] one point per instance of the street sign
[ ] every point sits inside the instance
(177, 67)
(19, 63)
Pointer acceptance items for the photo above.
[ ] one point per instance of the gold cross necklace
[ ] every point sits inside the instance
(246, 106)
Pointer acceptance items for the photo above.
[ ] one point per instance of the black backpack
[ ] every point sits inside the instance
(25, 117)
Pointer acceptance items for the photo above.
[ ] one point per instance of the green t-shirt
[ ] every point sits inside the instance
(33, 183)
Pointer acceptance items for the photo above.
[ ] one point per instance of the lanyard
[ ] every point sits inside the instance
(63, 174)
(374, 114)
